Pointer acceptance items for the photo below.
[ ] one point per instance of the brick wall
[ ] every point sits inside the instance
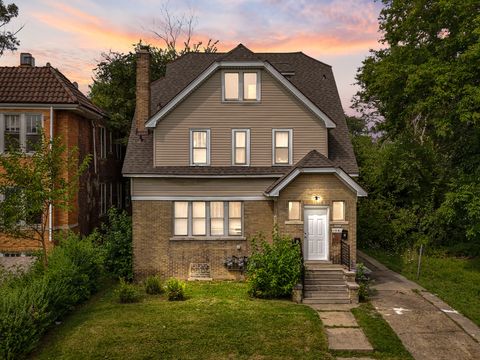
(155, 253)
(330, 188)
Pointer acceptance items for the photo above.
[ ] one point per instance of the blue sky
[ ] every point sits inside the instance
(72, 34)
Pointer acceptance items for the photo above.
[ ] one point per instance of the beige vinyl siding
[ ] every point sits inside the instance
(200, 187)
(204, 109)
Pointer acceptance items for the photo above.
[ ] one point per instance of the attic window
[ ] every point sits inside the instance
(241, 86)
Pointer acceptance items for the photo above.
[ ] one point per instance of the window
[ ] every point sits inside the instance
(110, 200)
(103, 143)
(103, 198)
(294, 208)
(12, 132)
(241, 86)
(33, 124)
(338, 211)
(181, 218)
(110, 142)
(119, 195)
(217, 218)
(118, 150)
(199, 217)
(241, 146)
(191, 218)
(282, 146)
(235, 218)
(19, 209)
(200, 147)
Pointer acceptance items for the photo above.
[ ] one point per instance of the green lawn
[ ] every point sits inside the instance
(456, 281)
(217, 321)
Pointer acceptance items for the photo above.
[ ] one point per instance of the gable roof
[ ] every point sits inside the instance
(314, 163)
(311, 77)
(41, 85)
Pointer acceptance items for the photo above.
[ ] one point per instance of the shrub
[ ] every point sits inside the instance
(127, 293)
(116, 240)
(153, 285)
(363, 281)
(175, 289)
(273, 269)
(31, 302)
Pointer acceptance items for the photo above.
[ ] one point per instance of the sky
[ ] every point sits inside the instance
(72, 34)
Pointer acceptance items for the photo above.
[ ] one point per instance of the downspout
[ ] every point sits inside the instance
(50, 206)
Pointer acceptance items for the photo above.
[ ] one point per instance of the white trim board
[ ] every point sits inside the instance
(342, 175)
(198, 198)
(203, 176)
(152, 122)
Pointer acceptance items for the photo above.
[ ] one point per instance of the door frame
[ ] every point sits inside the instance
(312, 208)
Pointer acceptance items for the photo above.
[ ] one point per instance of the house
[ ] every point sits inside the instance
(34, 97)
(226, 145)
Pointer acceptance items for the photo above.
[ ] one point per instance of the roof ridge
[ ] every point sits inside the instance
(57, 73)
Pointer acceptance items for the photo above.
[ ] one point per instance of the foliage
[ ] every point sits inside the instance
(153, 285)
(363, 281)
(221, 321)
(33, 183)
(273, 269)
(127, 293)
(30, 303)
(115, 237)
(8, 39)
(420, 96)
(175, 289)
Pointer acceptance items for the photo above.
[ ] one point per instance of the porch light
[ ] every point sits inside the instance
(317, 198)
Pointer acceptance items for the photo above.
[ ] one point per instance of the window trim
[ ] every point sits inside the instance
(23, 129)
(247, 146)
(344, 210)
(240, 86)
(290, 147)
(208, 147)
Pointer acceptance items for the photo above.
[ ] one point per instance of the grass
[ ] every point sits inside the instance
(454, 280)
(217, 321)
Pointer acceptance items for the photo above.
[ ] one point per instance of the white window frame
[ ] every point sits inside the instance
(344, 210)
(240, 85)
(247, 145)
(290, 147)
(208, 147)
(23, 130)
(103, 142)
(226, 218)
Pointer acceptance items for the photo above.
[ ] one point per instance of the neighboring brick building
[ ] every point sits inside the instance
(32, 97)
(228, 144)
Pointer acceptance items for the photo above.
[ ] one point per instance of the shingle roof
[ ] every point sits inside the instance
(311, 77)
(40, 85)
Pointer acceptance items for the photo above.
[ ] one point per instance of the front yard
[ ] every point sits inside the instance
(217, 321)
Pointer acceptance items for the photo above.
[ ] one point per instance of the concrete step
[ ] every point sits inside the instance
(324, 282)
(316, 287)
(323, 267)
(323, 277)
(313, 301)
(326, 294)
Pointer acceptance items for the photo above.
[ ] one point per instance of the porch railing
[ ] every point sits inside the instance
(345, 254)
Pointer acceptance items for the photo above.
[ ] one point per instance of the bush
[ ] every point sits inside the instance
(116, 240)
(363, 281)
(175, 289)
(127, 293)
(31, 302)
(153, 285)
(273, 269)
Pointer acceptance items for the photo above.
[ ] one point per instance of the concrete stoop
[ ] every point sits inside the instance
(327, 283)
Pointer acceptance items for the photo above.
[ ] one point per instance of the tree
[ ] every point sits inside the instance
(32, 185)
(422, 92)
(8, 39)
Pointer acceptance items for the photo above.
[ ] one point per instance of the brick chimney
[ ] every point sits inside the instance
(142, 105)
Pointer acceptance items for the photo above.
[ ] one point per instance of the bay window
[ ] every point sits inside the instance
(202, 218)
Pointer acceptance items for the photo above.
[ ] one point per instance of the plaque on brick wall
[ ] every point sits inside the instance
(199, 271)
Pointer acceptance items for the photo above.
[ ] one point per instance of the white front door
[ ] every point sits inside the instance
(316, 234)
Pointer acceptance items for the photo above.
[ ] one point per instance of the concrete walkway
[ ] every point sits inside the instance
(428, 327)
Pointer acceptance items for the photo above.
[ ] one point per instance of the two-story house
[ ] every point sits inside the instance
(35, 97)
(227, 145)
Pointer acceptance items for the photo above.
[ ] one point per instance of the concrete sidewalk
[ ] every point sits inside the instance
(428, 327)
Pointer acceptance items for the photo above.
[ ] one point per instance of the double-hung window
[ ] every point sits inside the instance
(212, 219)
(241, 85)
(12, 132)
(282, 146)
(103, 198)
(103, 142)
(200, 147)
(21, 132)
(33, 123)
(241, 146)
